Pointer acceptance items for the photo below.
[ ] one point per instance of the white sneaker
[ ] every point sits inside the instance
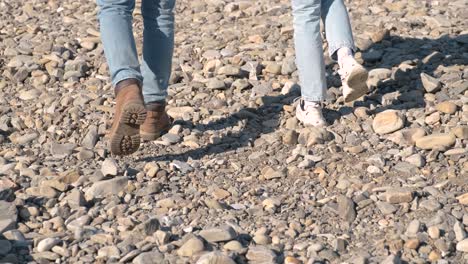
(310, 113)
(353, 78)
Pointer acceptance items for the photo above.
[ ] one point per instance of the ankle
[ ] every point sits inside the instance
(125, 83)
(157, 106)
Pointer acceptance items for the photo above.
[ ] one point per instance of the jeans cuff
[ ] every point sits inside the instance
(154, 98)
(317, 98)
(333, 48)
(125, 75)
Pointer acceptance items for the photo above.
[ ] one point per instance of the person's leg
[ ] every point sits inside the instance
(309, 60)
(341, 48)
(115, 17)
(158, 46)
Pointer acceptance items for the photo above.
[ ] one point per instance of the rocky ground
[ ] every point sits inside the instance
(237, 179)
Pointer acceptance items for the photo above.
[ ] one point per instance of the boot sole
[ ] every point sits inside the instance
(357, 83)
(126, 139)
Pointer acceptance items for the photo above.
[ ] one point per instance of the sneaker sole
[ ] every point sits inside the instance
(126, 139)
(357, 83)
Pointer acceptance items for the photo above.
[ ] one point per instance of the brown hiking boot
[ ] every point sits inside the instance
(129, 114)
(157, 122)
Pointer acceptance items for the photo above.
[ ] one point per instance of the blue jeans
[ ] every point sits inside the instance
(115, 17)
(308, 42)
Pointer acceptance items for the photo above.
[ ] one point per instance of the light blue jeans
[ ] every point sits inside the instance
(115, 18)
(308, 42)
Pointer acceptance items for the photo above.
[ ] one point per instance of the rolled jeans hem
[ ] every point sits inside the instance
(332, 50)
(125, 75)
(154, 98)
(313, 98)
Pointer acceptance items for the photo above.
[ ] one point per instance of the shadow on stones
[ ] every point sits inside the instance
(403, 91)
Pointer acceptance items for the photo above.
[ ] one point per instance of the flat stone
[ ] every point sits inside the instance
(433, 141)
(346, 209)
(431, 84)
(109, 167)
(260, 254)
(269, 173)
(179, 112)
(400, 195)
(387, 122)
(216, 84)
(109, 252)
(386, 208)
(47, 244)
(461, 132)
(463, 199)
(62, 149)
(459, 229)
(191, 247)
(447, 107)
(417, 160)
(106, 187)
(153, 257)
(215, 258)
(413, 228)
(462, 246)
(220, 234)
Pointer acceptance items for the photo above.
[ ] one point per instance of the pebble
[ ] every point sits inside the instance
(387, 122)
(215, 258)
(106, 187)
(109, 167)
(431, 84)
(191, 247)
(462, 246)
(47, 244)
(223, 233)
(447, 107)
(436, 141)
(396, 196)
(260, 254)
(153, 257)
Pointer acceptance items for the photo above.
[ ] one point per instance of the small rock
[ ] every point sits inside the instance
(47, 244)
(434, 232)
(447, 107)
(462, 246)
(269, 173)
(461, 132)
(191, 247)
(436, 141)
(224, 233)
(106, 187)
(387, 122)
(215, 258)
(260, 254)
(386, 208)
(459, 230)
(216, 84)
(431, 84)
(346, 208)
(413, 228)
(153, 257)
(417, 160)
(109, 167)
(400, 195)
(412, 243)
(109, 252)
(234, 245)
(463, 199)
